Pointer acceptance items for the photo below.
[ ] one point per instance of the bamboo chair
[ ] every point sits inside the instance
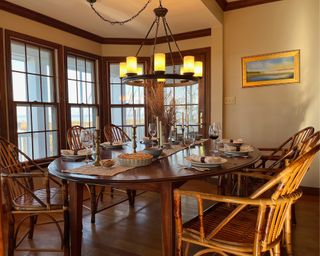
(115, 133)
(74, 142)
(244, 226)
(25, 201)
(274, 154)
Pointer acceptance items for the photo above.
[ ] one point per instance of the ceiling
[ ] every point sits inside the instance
(183, 16)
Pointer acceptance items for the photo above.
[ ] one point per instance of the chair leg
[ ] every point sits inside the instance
(221, 185)
(131, 196)
(293, 214)
(33, 221)
(93, 199)
(11, 239)
(101, 193)
(288, 234)
(66, 236)
(277, 250)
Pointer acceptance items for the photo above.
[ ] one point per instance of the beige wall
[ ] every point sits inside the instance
(22, 25)
(265, 116)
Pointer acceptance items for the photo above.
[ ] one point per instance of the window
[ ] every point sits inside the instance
(124, 99)
(81, 87)
(34, 99)
(186, 100)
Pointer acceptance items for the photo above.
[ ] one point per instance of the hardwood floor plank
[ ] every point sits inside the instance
(125, 231)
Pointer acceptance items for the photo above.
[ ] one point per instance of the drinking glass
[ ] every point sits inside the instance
(152, 129)
(86, 138)
(214, 130)
(189, 137)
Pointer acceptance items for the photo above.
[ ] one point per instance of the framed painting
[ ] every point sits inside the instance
(271, 69)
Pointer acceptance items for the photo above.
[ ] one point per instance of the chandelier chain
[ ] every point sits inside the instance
(123, 21)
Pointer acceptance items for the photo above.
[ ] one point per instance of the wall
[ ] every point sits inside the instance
(22, 25)
(266, 116)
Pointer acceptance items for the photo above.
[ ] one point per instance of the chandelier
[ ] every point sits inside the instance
(190, 71)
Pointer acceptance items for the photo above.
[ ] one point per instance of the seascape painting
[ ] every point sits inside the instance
(268, 69)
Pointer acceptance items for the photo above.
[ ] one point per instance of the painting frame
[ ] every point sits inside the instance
(271, 69)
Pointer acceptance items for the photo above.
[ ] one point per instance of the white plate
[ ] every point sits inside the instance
(236, 153)
(108, 145)
(206, 165)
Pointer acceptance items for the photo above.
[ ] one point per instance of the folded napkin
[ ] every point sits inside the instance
(69, 152)
(205, 159)
(115, 143)
(242, 148)
(233, 141)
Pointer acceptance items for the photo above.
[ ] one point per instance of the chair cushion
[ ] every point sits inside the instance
(27, 202)
(239, 230)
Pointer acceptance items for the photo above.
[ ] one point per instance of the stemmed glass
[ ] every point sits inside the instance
(214, 131)
(152, 129)
(86, 138)
(189, 138)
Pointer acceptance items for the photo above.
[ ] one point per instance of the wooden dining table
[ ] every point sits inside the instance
(162, 176)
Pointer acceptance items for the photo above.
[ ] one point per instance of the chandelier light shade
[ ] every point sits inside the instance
(190, 72)
(132, 66)
(188, 65)
(159, 63)
(198, 69)
(123, 69)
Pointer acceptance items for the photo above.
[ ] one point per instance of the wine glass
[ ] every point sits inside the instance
(214, 134)
(86, 138)
(189, 138)
(152, 129)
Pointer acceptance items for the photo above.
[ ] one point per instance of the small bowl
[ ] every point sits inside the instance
(107, 163)
(155, 152)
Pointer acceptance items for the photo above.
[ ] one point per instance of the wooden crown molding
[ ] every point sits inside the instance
(30, 14)
(160, 40)
(227, 6)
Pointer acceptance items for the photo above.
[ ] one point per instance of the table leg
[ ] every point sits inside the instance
(2, 252)
(168, 228)
(75, 210)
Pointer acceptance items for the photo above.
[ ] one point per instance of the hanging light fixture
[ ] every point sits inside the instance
(190, 72)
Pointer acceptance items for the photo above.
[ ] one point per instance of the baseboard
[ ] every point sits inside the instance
(310, 191)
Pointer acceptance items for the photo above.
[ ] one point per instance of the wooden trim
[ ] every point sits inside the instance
(36, 16)
(223, 4)
(310, 191)
(246, 3)
(9, 35)
(106, 86)
(160, 40)
(80, 53)
(86, 55)
(3, 94)
(62, 97)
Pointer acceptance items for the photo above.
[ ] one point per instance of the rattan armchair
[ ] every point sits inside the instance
(271, 155)
(74, 142)
(25, 200)
(244, 226)
(115, 133)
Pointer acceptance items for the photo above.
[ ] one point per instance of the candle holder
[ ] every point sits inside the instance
(97, 158)
(176, 133)
(134, 139)
(182, 129)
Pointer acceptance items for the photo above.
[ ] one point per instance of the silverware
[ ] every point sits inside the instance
(192, 168)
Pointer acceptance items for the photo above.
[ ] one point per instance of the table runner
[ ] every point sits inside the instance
(90, 169)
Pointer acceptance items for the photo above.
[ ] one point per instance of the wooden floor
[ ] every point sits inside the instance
(125, 231)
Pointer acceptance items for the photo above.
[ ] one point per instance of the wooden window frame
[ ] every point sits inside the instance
(97, 82)
(11, 104)
(107, 92)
